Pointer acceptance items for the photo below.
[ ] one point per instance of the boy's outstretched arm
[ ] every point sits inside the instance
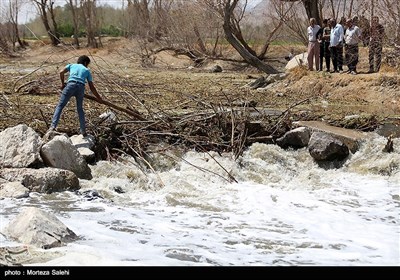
(94, 91)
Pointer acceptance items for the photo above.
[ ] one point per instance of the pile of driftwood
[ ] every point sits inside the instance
(201, 126)
(131, 118)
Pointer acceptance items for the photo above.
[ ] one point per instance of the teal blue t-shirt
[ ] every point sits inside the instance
(78, 73)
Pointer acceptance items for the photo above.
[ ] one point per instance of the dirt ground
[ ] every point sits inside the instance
(29, 87)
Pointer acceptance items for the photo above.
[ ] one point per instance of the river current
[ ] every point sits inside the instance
(284, 209)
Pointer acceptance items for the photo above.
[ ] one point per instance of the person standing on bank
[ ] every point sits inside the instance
(336, 45)
(341, 58)
(377, 32)
(365, 29)
(313, 45)
(324, 41)
(351, 38)
(75, 86)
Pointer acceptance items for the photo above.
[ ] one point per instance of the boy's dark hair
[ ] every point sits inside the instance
(84, 59)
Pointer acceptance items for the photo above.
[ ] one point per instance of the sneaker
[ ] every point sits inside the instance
(50, 130)
(353, 73)
(50, 133)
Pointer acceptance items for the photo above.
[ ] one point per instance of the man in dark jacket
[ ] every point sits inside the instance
(377, 32)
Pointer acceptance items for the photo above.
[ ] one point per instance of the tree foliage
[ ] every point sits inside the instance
(198, 28)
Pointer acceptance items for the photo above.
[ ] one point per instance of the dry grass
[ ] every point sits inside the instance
(171, 86)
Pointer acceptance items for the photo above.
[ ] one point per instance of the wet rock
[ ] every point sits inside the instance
(389, 129)
(84, 146)
(39, 228)
(352, 138)
(296, 138)
(61, 153)
(44, 180)
(90, 195)
(13, 190)
(324, 147)
(79, 141)
(119, 190)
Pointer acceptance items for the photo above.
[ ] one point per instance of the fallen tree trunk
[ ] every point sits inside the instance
(127, 111)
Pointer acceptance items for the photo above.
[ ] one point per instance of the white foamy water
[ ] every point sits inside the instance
(284, 210)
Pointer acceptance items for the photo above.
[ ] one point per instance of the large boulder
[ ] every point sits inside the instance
(13, 190)
(324, 147)
(84, 146)
(39, 228)
(351, 138)
(19, 147)
(79, 141)
(59, 152)
(44, 180)
(298, 60)
(295, 138)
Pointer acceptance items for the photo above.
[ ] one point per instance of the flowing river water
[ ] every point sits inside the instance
(284, 210)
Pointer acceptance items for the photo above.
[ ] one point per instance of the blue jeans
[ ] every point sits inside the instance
(71, 89)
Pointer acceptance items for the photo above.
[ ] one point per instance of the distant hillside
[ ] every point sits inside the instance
(262, 5)
(255, 15)
(259, 19)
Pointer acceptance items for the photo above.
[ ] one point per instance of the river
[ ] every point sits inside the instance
(284, 210)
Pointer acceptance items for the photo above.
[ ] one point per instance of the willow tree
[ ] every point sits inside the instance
(139, 17)
(312, 8)
(389, 12)
(3, 43)
(73, 4)
(45, 9)
(231, 14)
(92, 26)
(13, 12)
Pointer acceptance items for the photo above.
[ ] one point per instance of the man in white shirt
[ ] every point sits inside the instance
(351, 38)
(313, 45)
